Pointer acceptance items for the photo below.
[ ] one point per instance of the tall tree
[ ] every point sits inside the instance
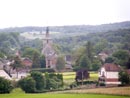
(17, 64)
(89, 50)
(84, 62)
(42, 61)
(60, 65)
(36, 60)
(29, 52)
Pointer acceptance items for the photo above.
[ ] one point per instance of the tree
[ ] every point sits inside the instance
(36, 60)
(109, 59)
(5, 86)
(89, 50)
(60, 65)
(100, 46)
(124, 77)
(53, 81)
(84, 62)
(29, 52)
(95, 65)
(28, 84)
(42, 61)
(122, 57)
(17, 64)
(1, 55)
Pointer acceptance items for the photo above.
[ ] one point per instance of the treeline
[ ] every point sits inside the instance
(109, 41)
(73, 29)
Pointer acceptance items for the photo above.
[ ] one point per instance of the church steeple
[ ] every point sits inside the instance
(48, 51)
(47, 32)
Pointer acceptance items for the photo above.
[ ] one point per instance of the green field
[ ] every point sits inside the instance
(120, 92)
(69, 77)
(59, 96)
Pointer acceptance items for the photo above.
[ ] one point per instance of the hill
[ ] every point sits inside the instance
(74, 28)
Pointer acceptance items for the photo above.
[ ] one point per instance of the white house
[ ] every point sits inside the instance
(108, 74)
(5, 75)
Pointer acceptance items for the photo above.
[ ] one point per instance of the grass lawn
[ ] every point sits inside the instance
(69, 77)
(59, 96)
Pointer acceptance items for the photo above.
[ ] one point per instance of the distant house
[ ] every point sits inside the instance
(27, 62)
(102, 56)
(108, 74)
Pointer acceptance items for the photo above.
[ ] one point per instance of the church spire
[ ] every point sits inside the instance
(47, 32)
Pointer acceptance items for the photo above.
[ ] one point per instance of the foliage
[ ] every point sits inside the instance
(109, 59)
(53, 81)
(36, 60)
(34, 83)
(81, 75)
(84, 62)
(29, 52)
(5, 85)
(9, 42)
(1, 55)
(17, 64)
(89, 51)
(42, 61)
(28, 84)
(39, 79)
(60, 65)
(43, 70)
(124, 77)
(122, 57)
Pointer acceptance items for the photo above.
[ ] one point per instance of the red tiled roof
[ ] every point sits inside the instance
(111, 67)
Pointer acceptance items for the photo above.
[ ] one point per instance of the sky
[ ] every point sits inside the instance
(19, 13)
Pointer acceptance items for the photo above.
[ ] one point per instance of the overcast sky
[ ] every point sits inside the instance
(17, 13)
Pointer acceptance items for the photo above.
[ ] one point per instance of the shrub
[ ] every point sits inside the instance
(53, 81)
(27, 84)
(5, 85)
(124, 77)
(43, 70)
(40, 80)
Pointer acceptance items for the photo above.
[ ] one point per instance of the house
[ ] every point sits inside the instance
(102, 56)
(5, 75)
(27, 62)
(108, 75)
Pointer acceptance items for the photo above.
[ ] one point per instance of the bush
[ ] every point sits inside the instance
(87, 82)
(53, 81)
(40, 80)
(5, 85)
(28, 84)
(124, 77)
(43, 70)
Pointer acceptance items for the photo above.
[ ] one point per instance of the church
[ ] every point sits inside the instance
(48, 51)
